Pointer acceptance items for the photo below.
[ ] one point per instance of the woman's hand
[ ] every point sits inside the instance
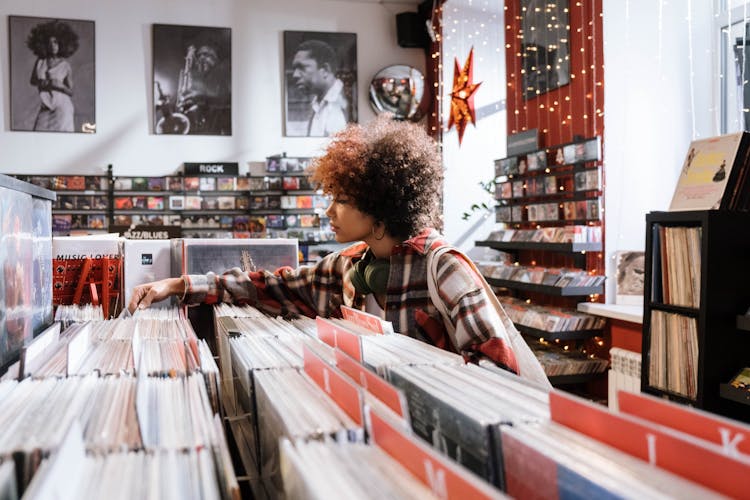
(144, 295)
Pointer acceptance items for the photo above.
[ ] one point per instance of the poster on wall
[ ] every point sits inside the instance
(52, 75)
(192, 80)
(545, 48)
(320, 82)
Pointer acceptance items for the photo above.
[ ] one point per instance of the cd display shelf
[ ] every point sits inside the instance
(710, 320)
(553, 188)
(205, 206)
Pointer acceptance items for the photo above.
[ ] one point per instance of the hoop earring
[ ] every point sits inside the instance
(375, 236)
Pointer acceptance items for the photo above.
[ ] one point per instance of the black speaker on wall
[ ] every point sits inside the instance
(411, 30)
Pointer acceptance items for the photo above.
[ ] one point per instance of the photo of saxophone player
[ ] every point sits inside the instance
(192, 80)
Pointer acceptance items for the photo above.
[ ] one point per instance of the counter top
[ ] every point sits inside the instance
(633, 314)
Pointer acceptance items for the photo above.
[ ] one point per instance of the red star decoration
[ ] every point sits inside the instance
(462, 97)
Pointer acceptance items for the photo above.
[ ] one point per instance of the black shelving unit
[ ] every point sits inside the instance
(559, 291)
(563, 335)
(533, 245)
(724, 295)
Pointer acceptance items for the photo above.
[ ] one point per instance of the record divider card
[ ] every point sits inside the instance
(337, 386)
(731, 435)
(679, 453)
(371, 382)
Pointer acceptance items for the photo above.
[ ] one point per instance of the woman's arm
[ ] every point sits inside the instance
(64, 84)
(308, 290)
(479, 329)
(34, 80)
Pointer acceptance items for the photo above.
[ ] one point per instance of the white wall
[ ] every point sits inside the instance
(124, 85)
(478, 24)
(658, 97)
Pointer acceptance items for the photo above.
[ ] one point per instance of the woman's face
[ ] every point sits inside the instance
(53, 47)
(347, 222)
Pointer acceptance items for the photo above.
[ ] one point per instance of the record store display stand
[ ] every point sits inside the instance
(554, 188)
(696, 289)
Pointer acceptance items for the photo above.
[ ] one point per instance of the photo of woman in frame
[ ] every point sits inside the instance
(52, 75)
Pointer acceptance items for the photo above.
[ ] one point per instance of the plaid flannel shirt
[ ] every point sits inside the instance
(321, 289)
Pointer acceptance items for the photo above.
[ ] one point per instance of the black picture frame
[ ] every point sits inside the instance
(315, 75)
(545, 48)
(192, 80)
(63, 97)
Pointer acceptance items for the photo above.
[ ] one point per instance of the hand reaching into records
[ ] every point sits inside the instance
(144, 295)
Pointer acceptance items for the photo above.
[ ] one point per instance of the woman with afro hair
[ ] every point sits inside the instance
(385, 181)
(53, 42)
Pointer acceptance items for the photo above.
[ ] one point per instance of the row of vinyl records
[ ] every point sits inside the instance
(302, 409)
(420, 418)
(564, 234)
(79, 421)
(552, 276)
(673, 353)
(676, 261)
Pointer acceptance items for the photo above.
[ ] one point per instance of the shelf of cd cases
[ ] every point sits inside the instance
(533, 245)
(562, 291)
(279, 204)
(566, 335)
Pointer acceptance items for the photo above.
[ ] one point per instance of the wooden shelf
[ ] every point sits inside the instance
(535, 245)
(560, 291)
(672, 396)
(687, 311)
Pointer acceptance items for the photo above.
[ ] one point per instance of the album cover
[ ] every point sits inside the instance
(140, 202)
(713, 174)
(207, 183)
(123, 203)
(123, 184)
(176, 202)
(191, 183)
(257, 183)
(140, 184)
(225, 184)
(225, 202)
(155, 203)
(242, 202)
(193, 202)
(157, 183)
(174, 183)
(242, 184)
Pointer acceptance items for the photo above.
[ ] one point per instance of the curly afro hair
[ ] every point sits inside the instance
(391, 170)
(38, 40)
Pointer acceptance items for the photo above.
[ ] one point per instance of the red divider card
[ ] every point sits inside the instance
(342, 391)
(731, 435)
(326, 331)
(366, 320)
(688, 457)
(385, 392)
(446, 478)
(338, 336)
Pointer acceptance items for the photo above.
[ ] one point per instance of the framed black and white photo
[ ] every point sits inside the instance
(545, 46)
(320, 82)
(52, 74)
(192, 80)
(630, 268)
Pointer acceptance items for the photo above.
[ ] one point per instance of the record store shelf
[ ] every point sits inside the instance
(564, 335)
(566, 291)
(535, 245)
